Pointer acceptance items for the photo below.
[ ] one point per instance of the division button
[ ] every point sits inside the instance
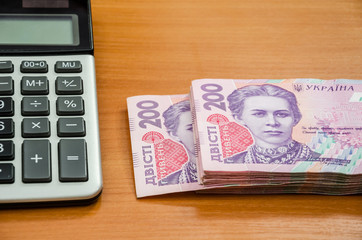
(7, 173)
(68, 67)
(6, 67)
(35, 106)
(36, 161)
(72, 154)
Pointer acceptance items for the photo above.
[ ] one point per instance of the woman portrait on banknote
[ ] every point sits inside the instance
(269, 112)
(177, 120)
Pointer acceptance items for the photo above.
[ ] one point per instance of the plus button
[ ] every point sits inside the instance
(36, 158)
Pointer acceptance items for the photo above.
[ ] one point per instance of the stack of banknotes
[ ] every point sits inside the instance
(250, 137)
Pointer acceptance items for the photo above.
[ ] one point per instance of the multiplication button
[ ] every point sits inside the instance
(35, 127)
(34, 67)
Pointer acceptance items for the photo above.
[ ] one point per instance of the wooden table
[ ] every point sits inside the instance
(158, 47)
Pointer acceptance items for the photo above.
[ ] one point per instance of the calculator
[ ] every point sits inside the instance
(49, 134)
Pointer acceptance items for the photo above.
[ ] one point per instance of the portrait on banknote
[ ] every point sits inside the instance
(288, 125)
(269, 113)
(177, 120)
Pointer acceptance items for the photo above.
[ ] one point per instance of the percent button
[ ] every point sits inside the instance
(67, 106)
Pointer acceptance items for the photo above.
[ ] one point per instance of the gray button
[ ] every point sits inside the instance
(69, 85)
(71, 127)
(6, 67)
(34, 85)
(6, 106)
(7, 173)
(36, 161)
(36, 127)
(6, 86)
(34, 67)
(72, 160)
(7, 128)
(33, 106)
(68, 67)
(70, 106)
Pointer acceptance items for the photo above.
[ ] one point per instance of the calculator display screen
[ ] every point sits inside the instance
(28, 29)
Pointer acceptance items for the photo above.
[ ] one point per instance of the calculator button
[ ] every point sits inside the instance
(6, 67)
(34, 67)
(6, 150)
(35, 127)
(36, 161)
(6, 128)
(72, 160)
(69, 85)
(71, 127)
(34, 85)
(7, 173)
(35, 106)
(68, 67)
(70, 106)
(6, 106)
(6, 86)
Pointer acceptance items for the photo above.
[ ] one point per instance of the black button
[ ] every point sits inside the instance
(35, 106)
(6, 67)
(6, 86)
(6, 150)
(7, 173)
(34, 85)
(70, 106)
(6, 106)
(71, 127)
(68, 67)
(69, 85)
(36, 161)
(6, 128)
(72, 160)
(35, 127)
(34, 67)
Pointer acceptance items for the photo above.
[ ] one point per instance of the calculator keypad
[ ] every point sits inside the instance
(49, 136)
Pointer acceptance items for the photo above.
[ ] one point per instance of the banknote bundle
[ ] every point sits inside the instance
(278, 136)
(163, 151)
(249, 137)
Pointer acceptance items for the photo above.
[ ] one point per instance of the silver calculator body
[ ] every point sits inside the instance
(49, 132)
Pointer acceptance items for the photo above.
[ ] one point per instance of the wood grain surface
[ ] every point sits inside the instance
(158, 47)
